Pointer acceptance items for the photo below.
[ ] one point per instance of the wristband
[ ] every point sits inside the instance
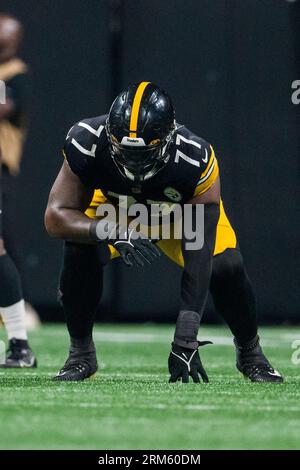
(103, 230)
(187, 327)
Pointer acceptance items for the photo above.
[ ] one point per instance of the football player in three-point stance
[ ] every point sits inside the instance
(138, 150)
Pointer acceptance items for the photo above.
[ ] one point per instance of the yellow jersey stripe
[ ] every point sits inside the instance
(211, 160)
(136, 107)
(208, 173)
(207, 181)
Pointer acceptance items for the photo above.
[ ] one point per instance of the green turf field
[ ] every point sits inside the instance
(130, 405)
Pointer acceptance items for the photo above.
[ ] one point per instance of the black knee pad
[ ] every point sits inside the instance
(228, 264)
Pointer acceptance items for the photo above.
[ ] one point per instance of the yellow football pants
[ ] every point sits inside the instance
(225, 238)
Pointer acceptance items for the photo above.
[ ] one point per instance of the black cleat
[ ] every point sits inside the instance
(254, 365)
(19, 355)
(79, 366)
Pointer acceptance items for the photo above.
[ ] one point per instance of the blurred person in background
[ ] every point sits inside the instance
(13, 123)
(12, 307)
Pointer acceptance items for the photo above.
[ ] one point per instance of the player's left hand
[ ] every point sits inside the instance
(185, 362)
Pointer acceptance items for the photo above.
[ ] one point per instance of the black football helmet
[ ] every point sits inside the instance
(140, 127)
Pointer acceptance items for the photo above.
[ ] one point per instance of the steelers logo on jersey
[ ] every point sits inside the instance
(172, 194)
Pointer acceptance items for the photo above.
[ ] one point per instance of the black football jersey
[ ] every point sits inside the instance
(191, 169)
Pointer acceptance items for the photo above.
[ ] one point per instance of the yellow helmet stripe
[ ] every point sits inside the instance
(136, 107)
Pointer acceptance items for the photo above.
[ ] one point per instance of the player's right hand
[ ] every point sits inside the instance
(185, 362)
(136, 250)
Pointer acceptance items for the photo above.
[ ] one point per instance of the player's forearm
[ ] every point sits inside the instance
(68, 224)
(198, 263)
(196, 279)
(73, 225)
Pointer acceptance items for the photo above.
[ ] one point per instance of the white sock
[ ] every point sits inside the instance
(14, 320)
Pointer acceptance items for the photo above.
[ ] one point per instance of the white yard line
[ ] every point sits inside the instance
(282, 338)
(163, 406)
(111, 337)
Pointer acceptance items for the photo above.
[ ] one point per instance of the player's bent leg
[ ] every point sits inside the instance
(12, 309)
(234, 299)
(233, 294)
(81, 284)
(80, 292)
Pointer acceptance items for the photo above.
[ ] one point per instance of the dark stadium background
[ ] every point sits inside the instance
(229, 65)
